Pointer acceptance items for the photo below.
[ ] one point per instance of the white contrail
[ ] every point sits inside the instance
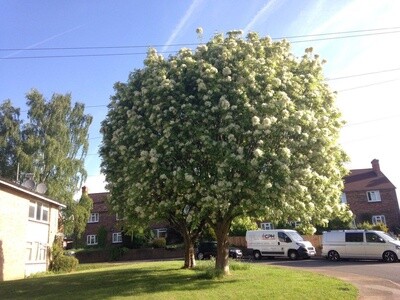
(181, 23)
(267, 9)
(44, 41)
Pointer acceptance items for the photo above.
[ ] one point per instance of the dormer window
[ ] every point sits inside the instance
(373, 196)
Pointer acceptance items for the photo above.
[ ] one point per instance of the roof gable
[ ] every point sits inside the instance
(366, 179)
(99, 202)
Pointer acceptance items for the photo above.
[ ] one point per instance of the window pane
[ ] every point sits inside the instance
(354, 237)
(39, 211)
(45, 216)
(32, 210)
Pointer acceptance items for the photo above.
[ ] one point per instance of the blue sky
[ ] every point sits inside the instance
(369, 103)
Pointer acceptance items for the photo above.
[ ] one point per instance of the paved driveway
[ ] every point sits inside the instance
(390, 271)
(374, 279)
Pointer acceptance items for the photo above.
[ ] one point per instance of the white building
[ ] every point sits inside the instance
(28, 226)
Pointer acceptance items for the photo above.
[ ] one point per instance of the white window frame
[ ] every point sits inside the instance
(94, 218)
(295, 224)
(91, 239)
(118, 218)
(36, 252)
(373, 196)
(117, 237)
(29, 251)
(343, 198)
(39, 211)
(266, 226)
(378, 219)
(161, 232)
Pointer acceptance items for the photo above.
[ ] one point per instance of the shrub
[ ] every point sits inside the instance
(63, 263)
(159, 243)
(102, 237)
(60, 261)
(117, 252)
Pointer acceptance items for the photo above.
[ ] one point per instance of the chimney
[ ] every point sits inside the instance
(85, 190)
(375, 166)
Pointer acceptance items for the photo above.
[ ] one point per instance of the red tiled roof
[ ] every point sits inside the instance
(366, 179)
(99, 202)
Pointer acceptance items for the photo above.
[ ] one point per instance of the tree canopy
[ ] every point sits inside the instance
(51, 143)
(10, 138)
(237, 127)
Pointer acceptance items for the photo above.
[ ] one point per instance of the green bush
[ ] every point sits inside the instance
(159, 243)
(63, 263)
(60, 261)
(102, 237)
(368, 226)
(117, 252)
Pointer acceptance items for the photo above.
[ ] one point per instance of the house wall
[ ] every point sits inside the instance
(107, 220)
(13, 223)
(388, 206)
(18, 234)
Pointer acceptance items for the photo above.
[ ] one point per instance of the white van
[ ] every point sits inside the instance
(278, 243)
(359, 244)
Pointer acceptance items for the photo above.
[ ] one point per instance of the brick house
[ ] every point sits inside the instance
(28, 227)
(372, 197)
(102, 219)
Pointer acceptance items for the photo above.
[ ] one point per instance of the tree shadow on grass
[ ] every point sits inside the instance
(104, 284)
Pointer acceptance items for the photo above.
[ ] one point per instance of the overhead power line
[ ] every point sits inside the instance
(337, 35)
(194, 44)
(363, 74)
(368, 85)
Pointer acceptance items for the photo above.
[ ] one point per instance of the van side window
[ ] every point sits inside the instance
(283, 237)
(355, 237)
(373, 238)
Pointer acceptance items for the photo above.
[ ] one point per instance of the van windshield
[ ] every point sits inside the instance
(387, 237)
(296, 237)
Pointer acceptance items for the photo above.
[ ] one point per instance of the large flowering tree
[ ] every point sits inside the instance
(238, 127)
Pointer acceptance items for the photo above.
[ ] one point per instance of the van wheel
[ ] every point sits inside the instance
(200, 256)
(389, 256)
(293, 255)
(257, 255)
(333, 255)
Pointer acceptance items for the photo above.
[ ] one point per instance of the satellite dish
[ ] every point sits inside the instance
(41, 188)
(29, 184)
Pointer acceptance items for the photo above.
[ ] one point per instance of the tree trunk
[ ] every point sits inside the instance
(190, 261)
(222, 260)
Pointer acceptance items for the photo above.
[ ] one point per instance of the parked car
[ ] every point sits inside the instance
(208, 249)
(360, 244)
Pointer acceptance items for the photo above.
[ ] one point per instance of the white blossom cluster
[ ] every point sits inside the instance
(236, 127)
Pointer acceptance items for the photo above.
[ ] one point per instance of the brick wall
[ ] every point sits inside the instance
(130, 255)
(388, 206)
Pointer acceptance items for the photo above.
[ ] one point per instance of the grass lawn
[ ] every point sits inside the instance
(166, 280)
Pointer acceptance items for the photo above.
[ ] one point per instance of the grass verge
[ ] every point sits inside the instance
(167, 280)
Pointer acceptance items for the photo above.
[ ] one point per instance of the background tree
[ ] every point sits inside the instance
(51, 144)
(54, 143)
(77, 215)
(10, 139)
(239, 127)
(240, 225)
